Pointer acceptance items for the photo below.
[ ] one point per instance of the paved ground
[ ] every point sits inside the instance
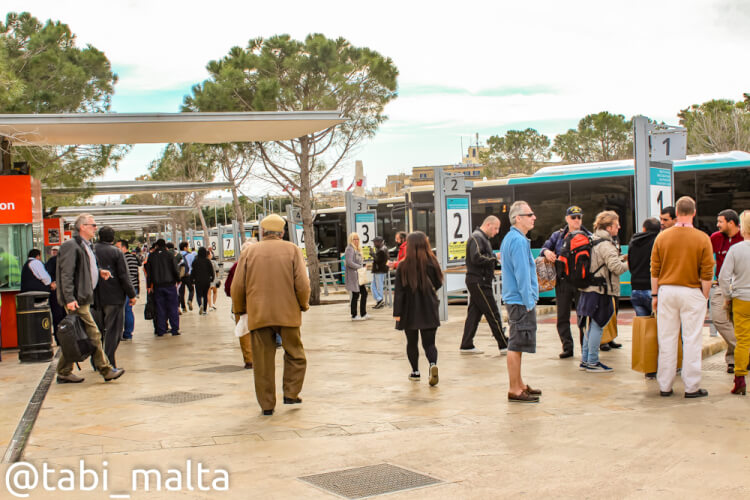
(593, 435)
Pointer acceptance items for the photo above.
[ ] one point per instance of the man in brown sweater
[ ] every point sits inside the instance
(682, 265)
(271, 285)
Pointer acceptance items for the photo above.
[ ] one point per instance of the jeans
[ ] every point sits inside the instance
(641, 301)
(377, 286)
(591, 340)
(167, 308)
(129, 319)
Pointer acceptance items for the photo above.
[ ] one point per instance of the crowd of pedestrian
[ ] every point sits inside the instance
(676, 271)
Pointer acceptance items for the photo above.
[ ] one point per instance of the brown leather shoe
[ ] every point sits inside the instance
(533, 392)
(524, 397)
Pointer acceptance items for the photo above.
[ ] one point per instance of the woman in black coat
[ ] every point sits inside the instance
(415, 303)
(203, 276)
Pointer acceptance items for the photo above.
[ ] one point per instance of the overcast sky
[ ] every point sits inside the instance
(465, 67)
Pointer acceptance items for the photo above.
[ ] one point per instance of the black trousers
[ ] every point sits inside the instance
(186, 283)
(566, 297)
(201, 292)
(111, 322)
(428, 344)
(362, 296)
(482, 303)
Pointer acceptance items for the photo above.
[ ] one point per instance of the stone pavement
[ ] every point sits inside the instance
(593, 435)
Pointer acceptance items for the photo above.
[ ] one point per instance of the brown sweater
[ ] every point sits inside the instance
(682, 256)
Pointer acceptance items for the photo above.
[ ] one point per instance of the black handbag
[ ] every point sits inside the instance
(150, 310)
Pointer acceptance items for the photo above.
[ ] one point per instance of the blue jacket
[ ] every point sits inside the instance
(520, 285)
(556, 240)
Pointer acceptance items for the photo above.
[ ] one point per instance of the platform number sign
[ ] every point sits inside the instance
(300, 233)
(228, 248)
(660, 190)
(364, 225)
(459, 226)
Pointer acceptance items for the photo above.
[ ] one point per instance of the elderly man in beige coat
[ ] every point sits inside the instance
(271, 285)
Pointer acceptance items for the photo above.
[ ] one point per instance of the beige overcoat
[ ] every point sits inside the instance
(271, 285)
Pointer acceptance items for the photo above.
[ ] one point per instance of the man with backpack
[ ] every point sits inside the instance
(78, 275)
(565, 293)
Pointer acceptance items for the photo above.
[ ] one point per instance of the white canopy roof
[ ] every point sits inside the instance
(138, 128)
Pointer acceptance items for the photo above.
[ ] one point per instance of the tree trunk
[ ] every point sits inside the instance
(206, 244)
(238, 215)
(305, 199)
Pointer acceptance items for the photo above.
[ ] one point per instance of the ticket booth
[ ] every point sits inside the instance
(20, 231)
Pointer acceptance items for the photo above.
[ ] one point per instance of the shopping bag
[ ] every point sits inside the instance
(364, 276)
(240, 329)
(610, 330)
(645, 355)
(545, 274)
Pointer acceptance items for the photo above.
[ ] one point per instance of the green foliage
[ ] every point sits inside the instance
(54, 76)
(517, 152)
(282, 74)
(599, 137)
(718, 125)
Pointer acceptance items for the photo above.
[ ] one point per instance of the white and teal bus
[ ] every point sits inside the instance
(716, 181)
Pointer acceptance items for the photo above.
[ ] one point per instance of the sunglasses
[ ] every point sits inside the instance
(92, 225)
(530, 214)
(575, 216)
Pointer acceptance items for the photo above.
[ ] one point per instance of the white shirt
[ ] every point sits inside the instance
(92, 264)
(39, 271)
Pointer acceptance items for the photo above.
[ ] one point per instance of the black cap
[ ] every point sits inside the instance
(574, 210)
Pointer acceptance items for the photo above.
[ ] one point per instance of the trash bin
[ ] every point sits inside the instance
(34, 319)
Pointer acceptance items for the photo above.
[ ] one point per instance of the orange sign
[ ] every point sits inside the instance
(15, 199)
(53, 232)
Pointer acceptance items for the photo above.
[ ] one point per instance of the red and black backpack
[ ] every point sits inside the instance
(574, 262)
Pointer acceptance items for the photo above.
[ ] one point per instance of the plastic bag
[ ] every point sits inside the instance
(240, 329)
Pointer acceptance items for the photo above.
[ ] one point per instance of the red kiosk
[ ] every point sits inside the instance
(20, 231)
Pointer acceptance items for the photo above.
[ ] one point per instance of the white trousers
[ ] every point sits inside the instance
(680, 306)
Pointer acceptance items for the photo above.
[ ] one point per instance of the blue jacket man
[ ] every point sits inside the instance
(520, 293)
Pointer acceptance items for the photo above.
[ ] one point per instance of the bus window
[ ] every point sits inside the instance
(549, 201)
(610, 193)
(718, 190)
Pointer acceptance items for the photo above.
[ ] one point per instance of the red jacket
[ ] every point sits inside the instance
(401, 255)
(228, 281)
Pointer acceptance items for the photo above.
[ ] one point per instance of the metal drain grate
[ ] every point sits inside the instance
(222, 369)
(179, 397)
(369, 481)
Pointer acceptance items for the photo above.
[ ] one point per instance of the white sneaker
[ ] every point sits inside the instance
(356, 318)
(365, 317)
(473, 350)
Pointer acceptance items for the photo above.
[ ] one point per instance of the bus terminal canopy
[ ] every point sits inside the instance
(140, 128)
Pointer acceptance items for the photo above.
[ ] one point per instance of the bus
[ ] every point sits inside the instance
(716, 181)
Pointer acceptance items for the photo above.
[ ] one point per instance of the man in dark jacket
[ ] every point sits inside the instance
(481, 263)
(566, 295)
(77, 277)
(379, 270)
(639, 261)
(109, 312)
(162, 276)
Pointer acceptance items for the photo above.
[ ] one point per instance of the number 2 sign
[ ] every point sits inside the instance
(459, 226)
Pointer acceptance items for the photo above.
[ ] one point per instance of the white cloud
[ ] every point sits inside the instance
(627, 57)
